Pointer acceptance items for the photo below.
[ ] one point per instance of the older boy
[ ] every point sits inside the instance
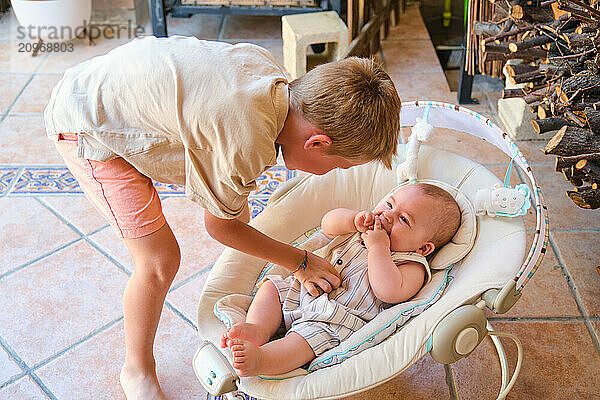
(210, 116)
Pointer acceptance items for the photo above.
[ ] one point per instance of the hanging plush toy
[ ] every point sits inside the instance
(499, 201)
(420, 132)
(502, 201)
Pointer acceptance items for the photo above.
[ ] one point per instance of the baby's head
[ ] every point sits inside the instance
(419, 217)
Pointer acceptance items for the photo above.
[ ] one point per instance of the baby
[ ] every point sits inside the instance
(383, 263)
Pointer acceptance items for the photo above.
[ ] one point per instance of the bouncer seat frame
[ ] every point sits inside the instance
(452, 327)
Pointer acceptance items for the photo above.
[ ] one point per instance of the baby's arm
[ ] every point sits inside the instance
(390, 283)
(342, 220)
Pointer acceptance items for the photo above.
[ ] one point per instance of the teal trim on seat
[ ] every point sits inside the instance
(447, 279)
(222, 317)
(443, 284)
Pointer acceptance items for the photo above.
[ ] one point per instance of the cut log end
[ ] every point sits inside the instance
(580, 164)
(552, 143)
(587, 198)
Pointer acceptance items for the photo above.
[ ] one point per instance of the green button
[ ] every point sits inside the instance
(212, 374)
(209, 381)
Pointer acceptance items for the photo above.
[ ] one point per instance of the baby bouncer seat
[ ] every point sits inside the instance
(489, 272)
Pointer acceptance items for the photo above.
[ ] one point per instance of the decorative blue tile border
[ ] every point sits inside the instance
(45, 180)
(257, 204)
(7, 175)
(57, 180)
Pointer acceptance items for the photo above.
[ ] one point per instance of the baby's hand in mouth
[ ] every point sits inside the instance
(383, 221)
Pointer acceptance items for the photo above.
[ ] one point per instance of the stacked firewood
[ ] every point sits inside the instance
(557, 43)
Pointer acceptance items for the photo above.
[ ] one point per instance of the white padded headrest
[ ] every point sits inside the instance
(463, 239)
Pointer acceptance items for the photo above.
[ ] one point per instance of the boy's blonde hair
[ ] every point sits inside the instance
(355, 103)
(445, 217)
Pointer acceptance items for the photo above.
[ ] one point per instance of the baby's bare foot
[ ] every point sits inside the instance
(245, 331)
(248, 358)
(138, 386)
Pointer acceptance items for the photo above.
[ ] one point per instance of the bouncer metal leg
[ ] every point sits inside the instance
(158, 18)
(451, 382)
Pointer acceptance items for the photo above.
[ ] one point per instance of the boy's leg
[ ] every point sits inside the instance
(130, 203)
(276, 357)
(263, 319)
(156, 261)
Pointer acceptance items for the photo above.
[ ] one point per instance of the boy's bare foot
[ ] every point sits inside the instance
(140, 387)
(248, 358)
(245, 331)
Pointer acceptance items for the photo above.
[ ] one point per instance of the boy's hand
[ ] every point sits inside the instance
(318, 275)
(364, 220)
(377, 237)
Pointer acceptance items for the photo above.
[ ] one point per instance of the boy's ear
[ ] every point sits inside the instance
(426, 249)
(317, 140)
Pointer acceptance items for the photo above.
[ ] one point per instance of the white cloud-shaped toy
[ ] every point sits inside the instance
(503, 201)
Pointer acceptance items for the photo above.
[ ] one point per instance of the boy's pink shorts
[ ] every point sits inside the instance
(123, 195)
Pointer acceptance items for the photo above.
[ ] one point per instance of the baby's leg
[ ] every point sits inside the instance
(276, 357)
(263, 319)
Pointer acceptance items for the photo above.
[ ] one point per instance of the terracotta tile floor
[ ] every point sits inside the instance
(61, 326)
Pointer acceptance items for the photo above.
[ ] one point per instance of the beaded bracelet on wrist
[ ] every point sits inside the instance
(303, 265)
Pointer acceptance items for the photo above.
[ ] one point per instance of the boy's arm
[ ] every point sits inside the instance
(390, 283)
(239, 235)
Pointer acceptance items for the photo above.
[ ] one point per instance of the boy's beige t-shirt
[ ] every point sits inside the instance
(181, 110)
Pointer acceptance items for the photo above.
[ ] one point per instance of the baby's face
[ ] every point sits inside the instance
(406, 217)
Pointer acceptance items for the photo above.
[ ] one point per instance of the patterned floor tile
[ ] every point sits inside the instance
(58, 301)
(8, 367)
(91, 370)
(424, 380)
(169, 188)
(560, 362)
(7, 176)
(28, 231)
(16, 56)
(257, 204)
(41, 180)
(410, 25)
(76, 210)
(23, 389)
(411, 56)
(202, 26)
(23, 140)
(185, 298)
(8, 25)
(269, 181)
(546, 295)
(36, 95)
(581, 254)
(198, 249)
(186, 219)
(46, 180)
(11, 85)
(113, 246)
(247, 27)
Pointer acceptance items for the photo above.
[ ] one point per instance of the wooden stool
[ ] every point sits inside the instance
(302, 30)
